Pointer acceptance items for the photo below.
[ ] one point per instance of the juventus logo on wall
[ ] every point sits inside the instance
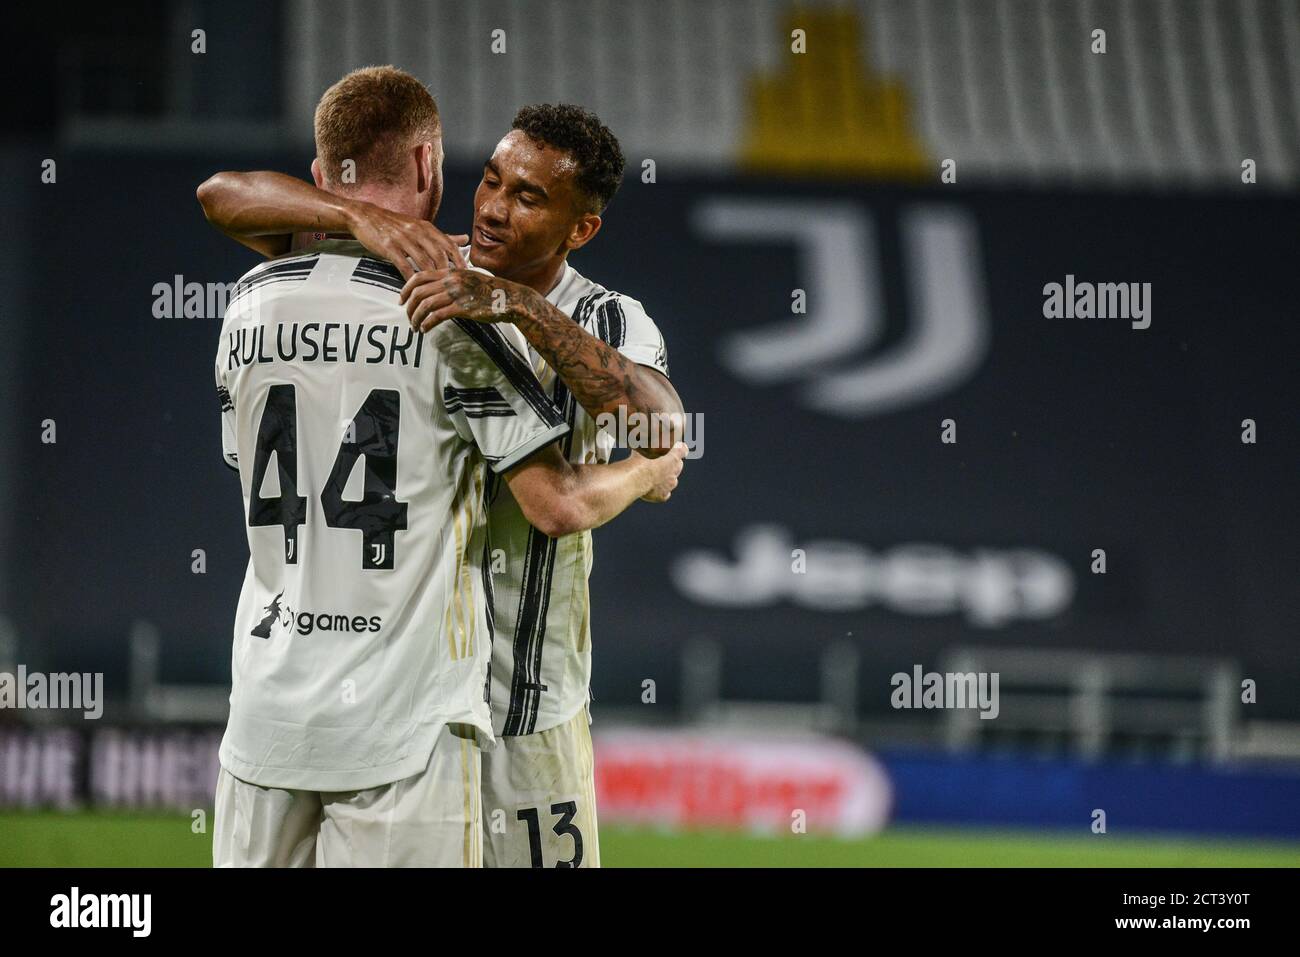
(839, 263)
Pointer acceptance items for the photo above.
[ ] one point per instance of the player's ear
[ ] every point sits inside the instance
(316, 176)
(584, 231)
(424, 154)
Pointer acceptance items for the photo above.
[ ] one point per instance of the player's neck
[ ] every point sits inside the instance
(395, 200)
(544, 278)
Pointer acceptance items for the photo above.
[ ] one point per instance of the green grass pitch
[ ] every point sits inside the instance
(111, 840)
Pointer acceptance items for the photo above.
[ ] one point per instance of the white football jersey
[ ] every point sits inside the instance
(541, 655)
(363, 450)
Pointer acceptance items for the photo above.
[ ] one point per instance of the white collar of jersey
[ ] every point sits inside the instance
(338, 246)
(557, 295)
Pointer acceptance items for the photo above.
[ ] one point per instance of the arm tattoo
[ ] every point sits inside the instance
(600, 377)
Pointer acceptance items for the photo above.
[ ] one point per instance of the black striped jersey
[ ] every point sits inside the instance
(541, 655)
(363, 449)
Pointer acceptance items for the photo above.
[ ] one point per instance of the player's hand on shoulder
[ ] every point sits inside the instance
(404, 240)
(664, 471)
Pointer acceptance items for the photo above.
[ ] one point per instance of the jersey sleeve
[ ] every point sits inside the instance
(489, 392)
(229, 446)
(622, 322)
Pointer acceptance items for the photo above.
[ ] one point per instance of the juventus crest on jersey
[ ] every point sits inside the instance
(541, 658)
(363, 449)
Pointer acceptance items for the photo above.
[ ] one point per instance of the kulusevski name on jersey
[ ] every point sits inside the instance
(324, 342)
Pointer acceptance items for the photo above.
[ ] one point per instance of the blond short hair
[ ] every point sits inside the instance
(373, 116)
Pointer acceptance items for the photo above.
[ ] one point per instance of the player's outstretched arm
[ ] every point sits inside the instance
(601, 378)
(263, 209)
(559, 499)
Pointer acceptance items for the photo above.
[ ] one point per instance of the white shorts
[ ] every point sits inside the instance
(430, 819)
(539, 799)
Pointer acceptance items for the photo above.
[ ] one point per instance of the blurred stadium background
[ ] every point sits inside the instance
(731, 687)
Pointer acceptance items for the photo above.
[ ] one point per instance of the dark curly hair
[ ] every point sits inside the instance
(595, 149)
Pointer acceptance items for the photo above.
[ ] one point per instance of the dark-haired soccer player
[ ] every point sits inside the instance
(542, 195)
